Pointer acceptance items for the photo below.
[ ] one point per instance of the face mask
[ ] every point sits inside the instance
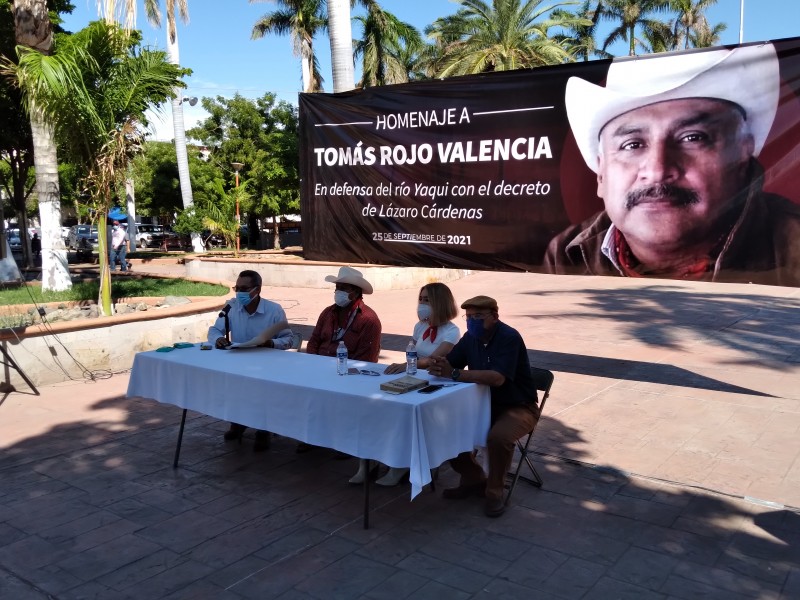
(424, 312)
(244, 298)
(475, 327)
(115, 227)
(341, 298)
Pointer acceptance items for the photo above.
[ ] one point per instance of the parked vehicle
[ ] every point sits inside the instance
(150, 236)
(14, 241)
(213, 240)
(177, 241)
(82, 238)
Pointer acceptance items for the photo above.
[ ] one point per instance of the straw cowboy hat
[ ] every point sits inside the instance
(351, 276)
(747, 76)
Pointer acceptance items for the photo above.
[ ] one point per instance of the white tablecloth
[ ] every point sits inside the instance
(300, 396)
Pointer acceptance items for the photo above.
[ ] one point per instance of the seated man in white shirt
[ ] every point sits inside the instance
(242, 319)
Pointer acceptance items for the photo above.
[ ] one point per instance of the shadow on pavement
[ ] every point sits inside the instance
(632, 370)
(94, 508)
(596, 366)
(671, 317)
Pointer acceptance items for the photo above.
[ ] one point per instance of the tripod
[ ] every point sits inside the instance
(5, 387)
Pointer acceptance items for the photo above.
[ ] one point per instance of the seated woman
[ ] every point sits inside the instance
(435, 335)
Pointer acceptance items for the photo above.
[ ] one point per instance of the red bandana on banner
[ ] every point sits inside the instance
(630, 264)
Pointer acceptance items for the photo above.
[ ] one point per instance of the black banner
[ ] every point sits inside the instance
(485, 172)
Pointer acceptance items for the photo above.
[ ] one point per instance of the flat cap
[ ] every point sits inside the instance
(480, 302)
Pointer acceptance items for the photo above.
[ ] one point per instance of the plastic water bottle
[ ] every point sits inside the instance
(411, 358)
(341, 359)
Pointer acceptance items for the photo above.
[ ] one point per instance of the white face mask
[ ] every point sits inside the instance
(424, 312)
(341, 298)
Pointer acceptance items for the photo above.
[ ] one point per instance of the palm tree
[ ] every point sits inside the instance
(580, 39)
(506, 35)
(302, 20)
(219, 215)
(660, 37)
(630, 15)
(341, 37)
(388, 47)
(411, 60)
(154, 16)
(705, 37)
(95, 89)
(126, 11)
(33, 31)
(691, 19)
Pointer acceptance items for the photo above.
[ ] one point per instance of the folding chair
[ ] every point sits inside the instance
(543, 380)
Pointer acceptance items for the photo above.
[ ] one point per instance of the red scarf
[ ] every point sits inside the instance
(430, 331)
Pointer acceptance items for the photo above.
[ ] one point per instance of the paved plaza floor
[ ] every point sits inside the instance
(669, 451)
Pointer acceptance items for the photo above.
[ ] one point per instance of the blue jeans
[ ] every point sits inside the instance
(119, 253)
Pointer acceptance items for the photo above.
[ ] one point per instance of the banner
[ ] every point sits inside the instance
(680, 165)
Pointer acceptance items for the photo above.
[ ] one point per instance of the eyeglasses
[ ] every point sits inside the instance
(477, 316)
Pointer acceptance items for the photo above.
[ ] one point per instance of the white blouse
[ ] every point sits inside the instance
(448, 332)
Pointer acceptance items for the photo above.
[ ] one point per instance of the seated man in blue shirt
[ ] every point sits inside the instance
(249, 315)
(496, 356)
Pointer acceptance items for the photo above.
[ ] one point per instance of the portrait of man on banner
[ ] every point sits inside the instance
(674, 142)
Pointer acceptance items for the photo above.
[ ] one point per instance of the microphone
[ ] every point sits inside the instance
(225, 310)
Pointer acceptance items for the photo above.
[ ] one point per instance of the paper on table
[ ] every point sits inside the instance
(263, 337)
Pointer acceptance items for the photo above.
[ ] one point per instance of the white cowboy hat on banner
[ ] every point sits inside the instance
(747, 76)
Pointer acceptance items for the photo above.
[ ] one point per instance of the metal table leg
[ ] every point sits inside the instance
(180, 439)
(365, 464)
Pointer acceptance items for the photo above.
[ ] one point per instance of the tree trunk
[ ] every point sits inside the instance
(341, 45)
(130, 206)
(19, 163)
(55, 269)
(307, 64)
(32, 26)
(104, 299)
(32, 29)
(24, 238)
(632, 51)
(180, 141)
(276, 244)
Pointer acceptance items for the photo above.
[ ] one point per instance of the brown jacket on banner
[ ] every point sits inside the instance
(763, 245)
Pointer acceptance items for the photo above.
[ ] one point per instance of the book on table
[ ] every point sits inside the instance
(403, 384)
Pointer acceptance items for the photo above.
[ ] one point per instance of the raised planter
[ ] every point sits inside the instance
(90, 348)
(286, 272)
(93, 348)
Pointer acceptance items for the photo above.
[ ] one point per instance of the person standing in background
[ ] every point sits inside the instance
(118, 247)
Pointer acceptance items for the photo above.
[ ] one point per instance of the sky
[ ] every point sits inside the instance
(216, 44)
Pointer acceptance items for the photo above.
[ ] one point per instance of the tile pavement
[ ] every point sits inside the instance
(668, 448)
